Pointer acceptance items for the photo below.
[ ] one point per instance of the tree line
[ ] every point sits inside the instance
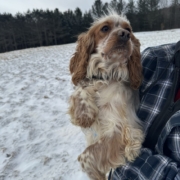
(52, 27)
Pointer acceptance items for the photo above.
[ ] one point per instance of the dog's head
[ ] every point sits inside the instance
(112, 38)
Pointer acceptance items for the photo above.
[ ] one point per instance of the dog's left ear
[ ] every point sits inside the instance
(134, 65)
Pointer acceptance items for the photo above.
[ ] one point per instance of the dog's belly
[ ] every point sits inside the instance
(112, 108)
(112, 101)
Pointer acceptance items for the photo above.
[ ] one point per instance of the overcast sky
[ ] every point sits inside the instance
(14, 6)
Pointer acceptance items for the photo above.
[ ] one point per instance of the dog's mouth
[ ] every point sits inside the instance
(120, 53)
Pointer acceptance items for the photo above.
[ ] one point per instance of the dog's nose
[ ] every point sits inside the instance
(124, 36)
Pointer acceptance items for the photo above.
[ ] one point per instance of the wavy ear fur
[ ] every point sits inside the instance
(79, 61)
(134, 65)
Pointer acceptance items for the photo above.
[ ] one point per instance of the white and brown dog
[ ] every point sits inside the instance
(106, 70)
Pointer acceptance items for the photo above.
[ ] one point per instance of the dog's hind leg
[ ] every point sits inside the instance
(134, 139)
(89, 164)
(100, 157)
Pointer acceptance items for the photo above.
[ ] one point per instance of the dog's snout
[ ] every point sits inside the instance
(124, 35)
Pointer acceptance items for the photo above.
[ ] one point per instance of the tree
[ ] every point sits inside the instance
(105, 8)
(97, 8)
(87, 20)
(121, 6)
(118, 5)
(153, 5)
(175, 13)
(163, 3)
(131, 13)
(48, 27)
(142, 15)
(153, 14)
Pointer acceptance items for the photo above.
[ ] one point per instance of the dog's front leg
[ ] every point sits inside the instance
(83, 109)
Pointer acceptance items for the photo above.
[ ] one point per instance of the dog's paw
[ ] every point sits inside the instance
(85, 121)
(83, 109)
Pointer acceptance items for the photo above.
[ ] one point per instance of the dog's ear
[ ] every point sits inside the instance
(79, 61)
(134, 65)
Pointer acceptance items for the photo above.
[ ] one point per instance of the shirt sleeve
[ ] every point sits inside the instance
(172, 144)
(148, 166)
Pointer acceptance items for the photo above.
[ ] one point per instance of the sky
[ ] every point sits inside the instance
(14, 6)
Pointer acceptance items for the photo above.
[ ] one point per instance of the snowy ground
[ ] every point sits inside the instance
(37, 140)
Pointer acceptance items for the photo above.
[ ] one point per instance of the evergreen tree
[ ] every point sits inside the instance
(131, 13)
(121, 6)
(153, 6)
(97, 8)
(105, 8)
(42, 28)
(87, 20)
(142, 15)
(118, 5)
(175, 13)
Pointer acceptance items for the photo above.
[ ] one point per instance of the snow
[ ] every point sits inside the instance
(37, 140)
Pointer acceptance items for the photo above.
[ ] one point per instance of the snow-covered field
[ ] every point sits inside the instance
(37, 140)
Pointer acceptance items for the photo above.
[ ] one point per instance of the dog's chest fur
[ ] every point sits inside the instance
(115, 102)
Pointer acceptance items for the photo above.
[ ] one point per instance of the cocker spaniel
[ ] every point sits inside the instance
(106, 71)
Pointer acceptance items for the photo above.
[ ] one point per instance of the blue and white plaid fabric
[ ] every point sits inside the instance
(158, 72)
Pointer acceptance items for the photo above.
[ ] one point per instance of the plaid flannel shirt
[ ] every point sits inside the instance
(157, 71)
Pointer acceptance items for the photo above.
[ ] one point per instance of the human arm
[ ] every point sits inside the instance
(148, 166)
(164, 162)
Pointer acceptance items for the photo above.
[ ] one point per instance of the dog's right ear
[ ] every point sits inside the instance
(134, 65)
(79, 61)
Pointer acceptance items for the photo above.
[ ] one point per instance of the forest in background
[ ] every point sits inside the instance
(51, 27)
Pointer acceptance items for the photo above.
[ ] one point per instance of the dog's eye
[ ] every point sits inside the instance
(128, 29)
(105, 29)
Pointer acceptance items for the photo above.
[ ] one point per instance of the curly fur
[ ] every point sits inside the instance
(106, 71)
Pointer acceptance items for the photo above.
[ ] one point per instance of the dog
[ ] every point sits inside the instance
(106, 71)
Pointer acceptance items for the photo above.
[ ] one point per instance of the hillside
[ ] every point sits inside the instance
(37, 140)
